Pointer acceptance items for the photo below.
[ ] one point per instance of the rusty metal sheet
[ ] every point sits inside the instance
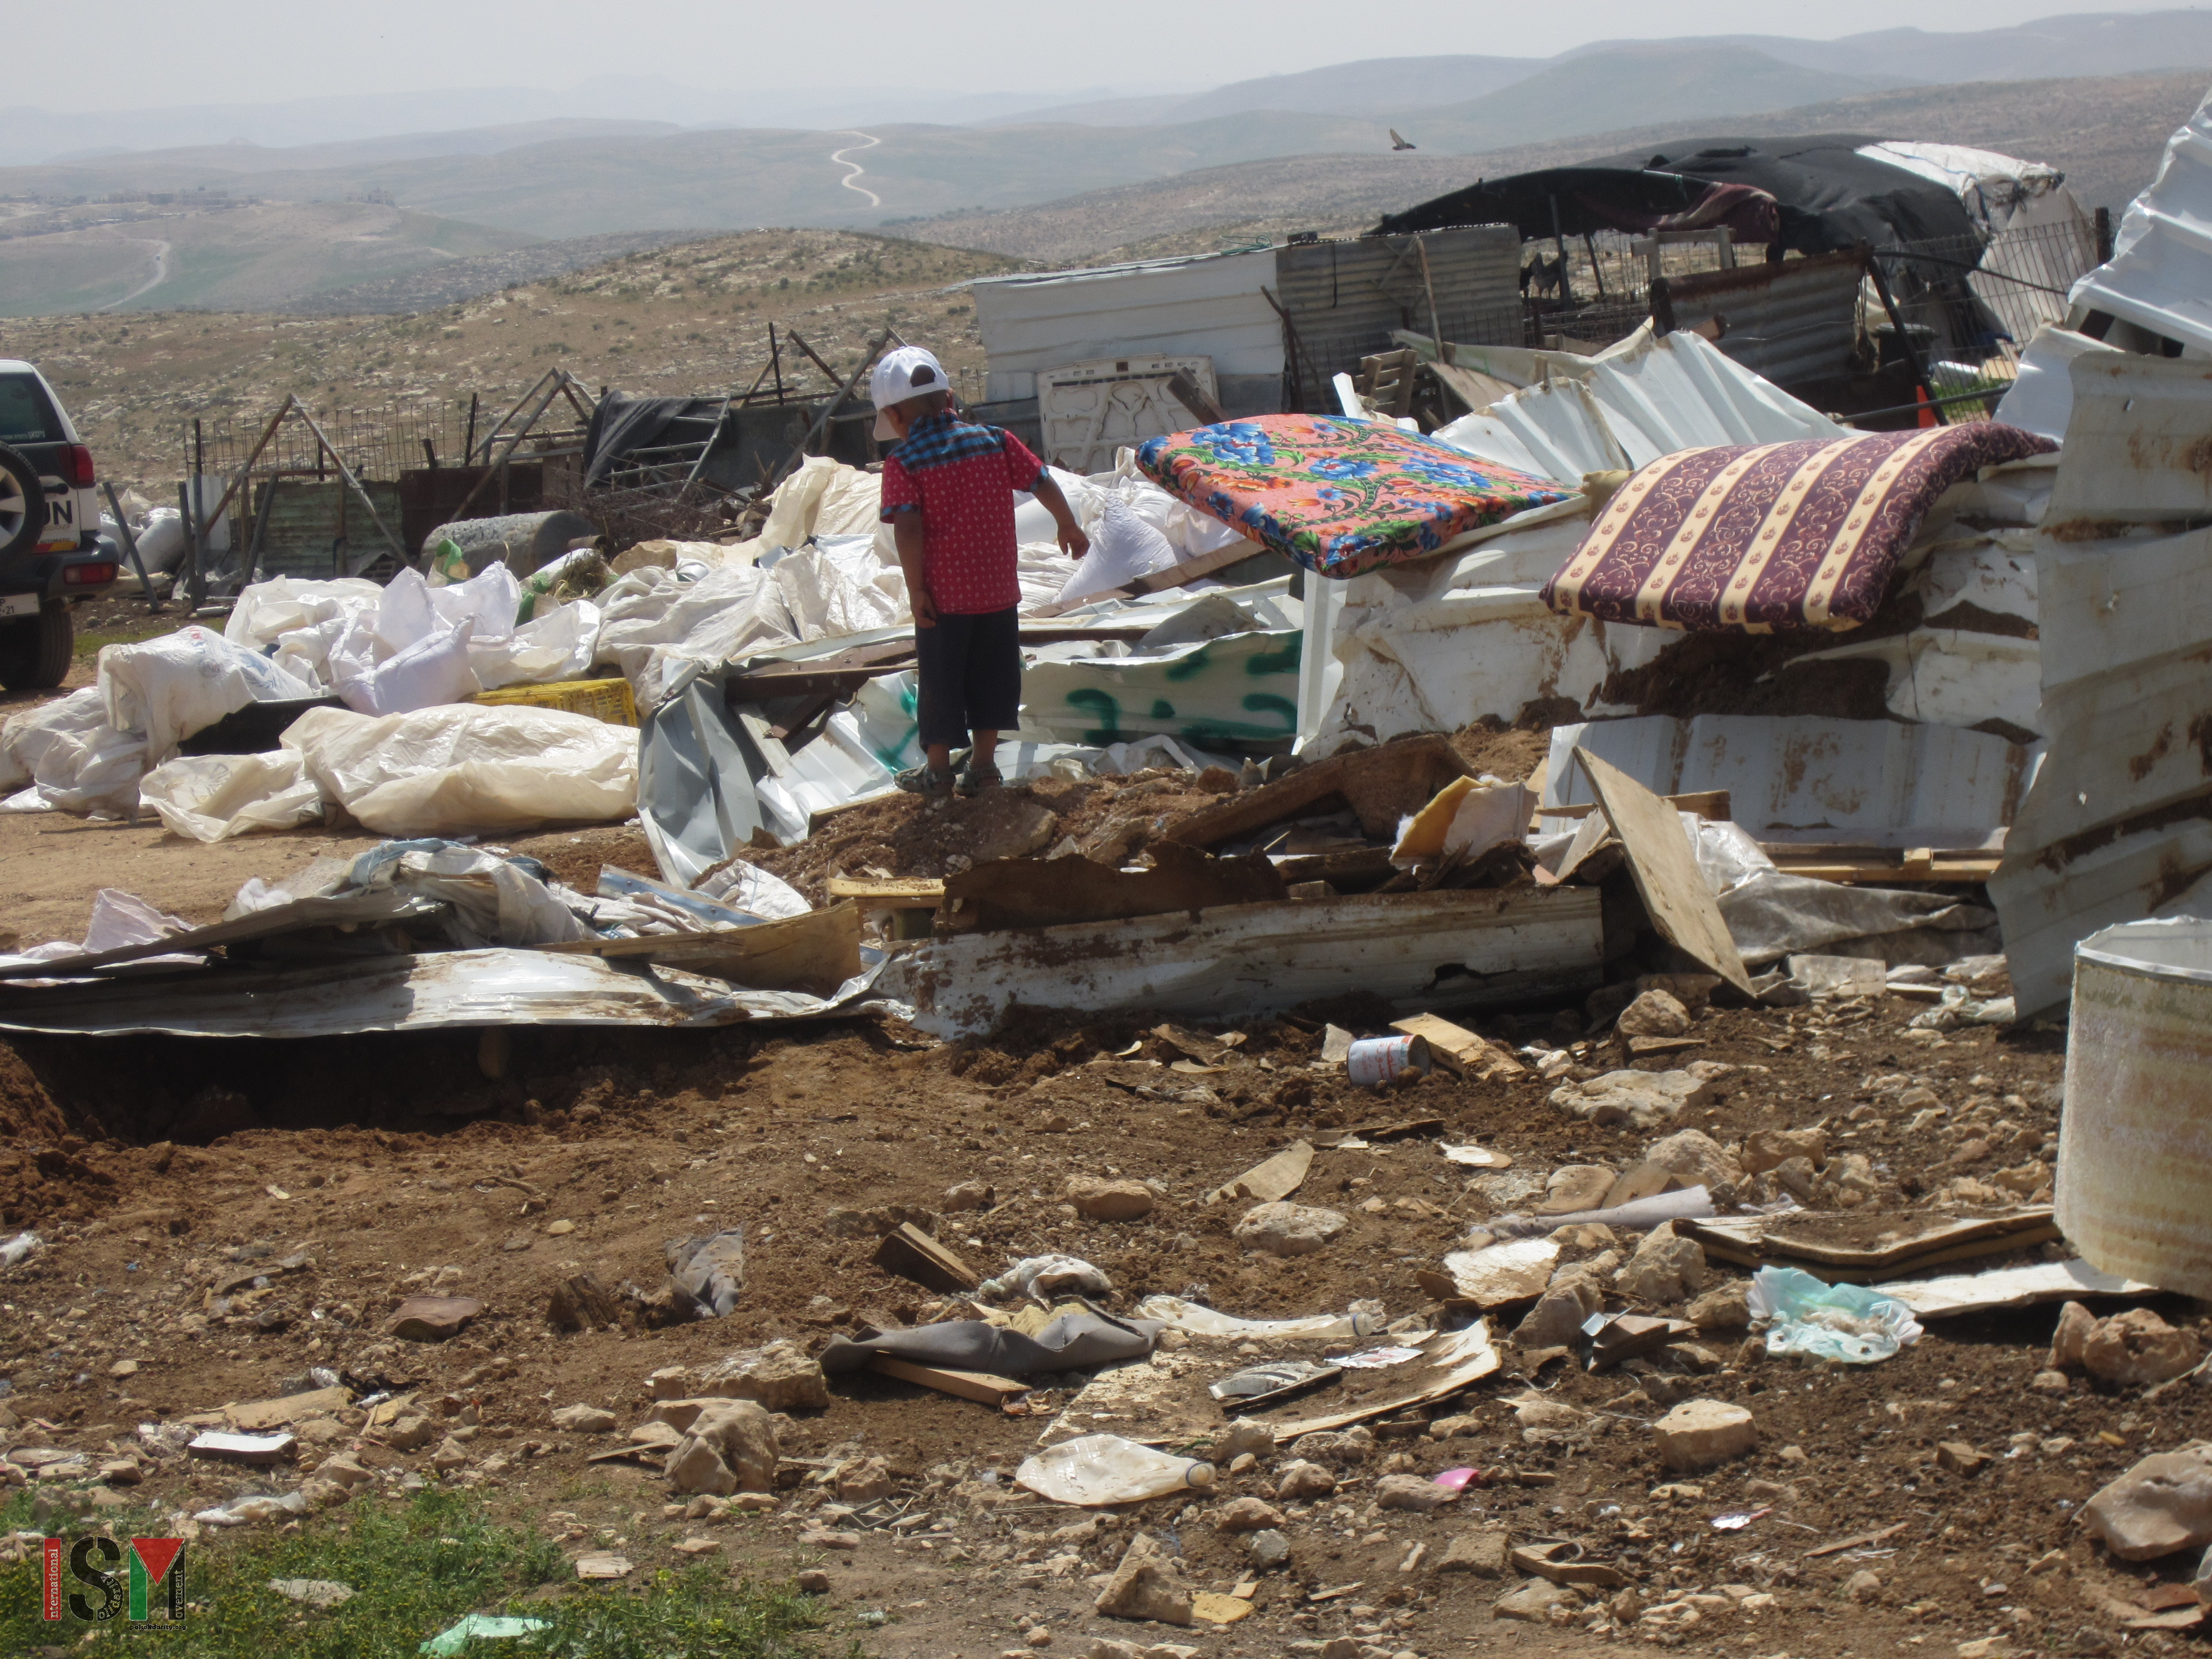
(1791, 323)
(2138, 445)
(1461, 948)
(449, 988)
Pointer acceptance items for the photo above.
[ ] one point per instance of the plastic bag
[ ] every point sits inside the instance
(480, 1627)
(167, 689)
(74, 761)
(495, 900)
(1104, 1468)
(1828, 1321)
(1122, 549)
(469, 767)
(433, 671)
(1043, 1277)
(210, 797)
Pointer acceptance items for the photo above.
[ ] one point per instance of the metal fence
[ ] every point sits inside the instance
(1980, 299)
(375, 443)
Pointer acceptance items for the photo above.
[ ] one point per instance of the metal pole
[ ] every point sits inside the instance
(469, 447)
(1436, 324)
(130, 546)
(830, 408)
(191, 547)
(354, 484)
(775, 362)
(1560, 241)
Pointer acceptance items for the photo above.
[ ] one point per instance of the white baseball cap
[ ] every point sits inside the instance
(907, 372)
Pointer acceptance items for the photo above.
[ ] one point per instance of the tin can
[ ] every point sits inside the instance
(1374, 1061)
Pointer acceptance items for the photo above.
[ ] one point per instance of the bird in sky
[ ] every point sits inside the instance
(1398, 143)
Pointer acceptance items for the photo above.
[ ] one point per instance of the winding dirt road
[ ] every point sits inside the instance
(838, 157)
(160, 271)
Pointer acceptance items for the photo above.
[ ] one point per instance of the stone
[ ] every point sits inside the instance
(1482, 1553)
(1665, 1269)
(1097, 1199)
(2161, 1506)
(697, 1547)
(1574, 1187)
(779, 1376)
(1546, 1414)
(2071, 1336)
(1960, 1458)
(450, 1455)
(1103, 1649)
(603, 1564)
(864, 1482)
(1556, 1321)
(968, 1195)
(1267, 1549)
(1344, 1449)
(1248, 1515)
(1300, 1479)
(410, 1432)
(1146, 1584)
(670, 1383)
(1724, 1308)
(1862, 1586)
(1288, 1229)
(121, 1472)
(1985, 1647)
(1410, 1492)
(814, 1582)
(1769, 1149)
(1701, 1434)
(584, 1419)
(2055, 1382)
(2138, 1347)
(731, 1446)
(1534, 1602)
(1655, 1013)
(314, 1592)
(432, 1318)
(1697, 1157)
(1243, 1436)
(1644, 1100)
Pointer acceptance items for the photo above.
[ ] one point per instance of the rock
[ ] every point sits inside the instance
(432, 1318)
(1287, 1229)
(1546, 1414)
(1985, 1647)
(603, 1564)
(1575, 1186)
(1725, 1308)
(2071, 1336)
(1410, 1492)
(584, 1419)
(450, 1455)
(864, 1482)
(1147, 1584)
(121, 1472)
(314, 1592)
(1961, 1458)
(2049, 1382)
(1697, 1157)
(1534, 1602)
(1241, 1437)
(730, 1447)
(1351, 1446)
(1798, 1176)
(1556, 1321)
(1096, 1200)
(968, 1195)
(2164, 1503)
(695, 1547)
(1645, 1100)
(780, 1376)
(1665, 1269)
(814, 1582)
(1299, 1479)
(1247, 1515)
(1005, 824)
(410, 1432)
(1862, 1586)
(670, 1383)
(1267, 1549)
(1769, 1149)
(1701, 1434)
(1653, 1014)
(2138, 1347)
(1103, 1649)
(1482, 1553)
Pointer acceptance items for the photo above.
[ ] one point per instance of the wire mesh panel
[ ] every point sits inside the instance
(1986, 299)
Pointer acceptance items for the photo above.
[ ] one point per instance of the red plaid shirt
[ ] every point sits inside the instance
(962, 478)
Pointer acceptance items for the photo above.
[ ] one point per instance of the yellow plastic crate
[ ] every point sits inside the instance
(603, 700)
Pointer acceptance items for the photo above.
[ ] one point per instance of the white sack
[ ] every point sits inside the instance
(210, 797)
(164, 689)
(827, 599)
(654, 625)
(266, 611)
(432, 671)
(494, 902)
(824, 497)
(469, 767)
(1122, 548)
(561, 645)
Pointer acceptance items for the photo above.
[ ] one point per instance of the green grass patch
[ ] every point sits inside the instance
(415, 1569)
(88, 645)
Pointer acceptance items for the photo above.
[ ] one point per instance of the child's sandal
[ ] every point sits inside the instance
(975, 780)
(928, 782)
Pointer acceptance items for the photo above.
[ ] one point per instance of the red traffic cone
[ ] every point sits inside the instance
(1927, 410)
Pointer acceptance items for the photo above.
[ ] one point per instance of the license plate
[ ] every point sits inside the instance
(19, 605)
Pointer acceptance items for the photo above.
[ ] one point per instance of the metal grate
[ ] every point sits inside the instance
(1982, 299)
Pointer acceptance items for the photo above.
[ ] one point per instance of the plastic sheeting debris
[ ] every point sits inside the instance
(211, 798)
(1828, 1321)
(1199, 1320)
(1076, 1340)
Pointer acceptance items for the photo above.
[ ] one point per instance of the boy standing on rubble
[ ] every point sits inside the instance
(949, 489)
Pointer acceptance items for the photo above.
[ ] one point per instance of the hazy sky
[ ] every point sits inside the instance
(253, 51)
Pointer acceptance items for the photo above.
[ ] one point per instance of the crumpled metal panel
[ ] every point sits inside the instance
(1462, 949)
(1792, 322)
(2160, 275)
(449, 988)
(2138, 447)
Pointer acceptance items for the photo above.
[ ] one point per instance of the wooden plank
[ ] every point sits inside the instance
(1713, 804)
(1382, 784)
(1882, 873)
(913, 1253)
(1272, 1181)
(1460, 1050)
(978, 1386)
(1857, 1540)
(896, 892)
(1674, 894)
(820, 950)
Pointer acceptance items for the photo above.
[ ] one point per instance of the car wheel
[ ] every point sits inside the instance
(22, 503)
(35, 653)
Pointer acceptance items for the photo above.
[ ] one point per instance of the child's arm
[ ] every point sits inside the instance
(906, 530)
(1073, 541)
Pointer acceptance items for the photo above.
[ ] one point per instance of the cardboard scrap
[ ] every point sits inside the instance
(1457, 1360)
(1460, 1050)
(1916, 1240)
(291, 1408)
(2009, 1287)
(1270, 1182)
(1675, 896)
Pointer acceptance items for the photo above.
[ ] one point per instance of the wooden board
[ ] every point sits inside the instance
(1059, 892)
(1273, 1181)
(978, 1386)
(1382, 785)
(913, 1253)
(1458, 1050)
(1755, 1241)
(1873, 872)
(1713, 804)
(915, 892)
(1659, 853)
(817, 951)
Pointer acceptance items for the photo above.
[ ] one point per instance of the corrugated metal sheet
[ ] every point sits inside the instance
(1208, 306)
(2160, 275)
(1794, 322)
(1345, 297)
(1807, 778)
(306, 521)
(1431, 950)
(2138, 447)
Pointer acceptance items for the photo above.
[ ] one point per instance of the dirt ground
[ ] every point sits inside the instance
(152, 1167)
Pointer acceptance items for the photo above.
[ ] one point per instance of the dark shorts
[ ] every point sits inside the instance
(971, 676)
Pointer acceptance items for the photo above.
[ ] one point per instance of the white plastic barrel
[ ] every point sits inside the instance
(2134, 1187)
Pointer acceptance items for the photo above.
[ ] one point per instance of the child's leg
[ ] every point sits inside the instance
(941, 698)
(993, 685)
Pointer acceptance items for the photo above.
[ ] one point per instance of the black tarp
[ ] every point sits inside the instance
(1829, 197)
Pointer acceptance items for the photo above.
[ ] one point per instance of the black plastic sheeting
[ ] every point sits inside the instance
(1829, 197)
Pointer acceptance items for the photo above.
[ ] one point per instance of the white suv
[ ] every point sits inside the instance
(53, 551)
